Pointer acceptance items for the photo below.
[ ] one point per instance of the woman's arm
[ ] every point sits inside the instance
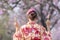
(16, 25)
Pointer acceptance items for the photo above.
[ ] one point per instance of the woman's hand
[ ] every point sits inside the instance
(16, 25)
(48, 22)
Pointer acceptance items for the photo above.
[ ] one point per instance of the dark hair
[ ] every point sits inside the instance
(32, 15)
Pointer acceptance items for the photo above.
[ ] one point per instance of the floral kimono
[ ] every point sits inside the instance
(32, 31)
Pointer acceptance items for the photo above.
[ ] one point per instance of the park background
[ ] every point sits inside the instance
(10, 9)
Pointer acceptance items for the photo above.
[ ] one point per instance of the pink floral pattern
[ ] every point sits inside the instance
(32, 32)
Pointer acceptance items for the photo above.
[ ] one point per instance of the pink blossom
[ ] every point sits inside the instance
(1, 12)
(11, 1)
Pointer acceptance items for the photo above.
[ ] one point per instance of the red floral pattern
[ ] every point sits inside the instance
(36, 38)
(46, 38)
(35, 33)
(44, 33)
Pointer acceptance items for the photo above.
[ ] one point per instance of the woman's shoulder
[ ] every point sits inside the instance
(39, 25)
(23, 26)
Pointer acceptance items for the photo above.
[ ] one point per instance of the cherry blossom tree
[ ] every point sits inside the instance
(9, 9)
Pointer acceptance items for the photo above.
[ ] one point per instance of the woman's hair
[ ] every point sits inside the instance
(32, 15)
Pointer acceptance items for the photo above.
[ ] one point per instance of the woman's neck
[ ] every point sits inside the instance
(32, 22)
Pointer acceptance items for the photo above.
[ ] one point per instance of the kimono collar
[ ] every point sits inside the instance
(32, 22)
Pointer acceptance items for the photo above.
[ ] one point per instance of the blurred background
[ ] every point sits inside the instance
(10, 9)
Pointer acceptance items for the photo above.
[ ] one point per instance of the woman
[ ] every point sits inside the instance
(32, 30)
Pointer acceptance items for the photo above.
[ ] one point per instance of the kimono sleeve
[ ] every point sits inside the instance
(18, 36)
(47, 35)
